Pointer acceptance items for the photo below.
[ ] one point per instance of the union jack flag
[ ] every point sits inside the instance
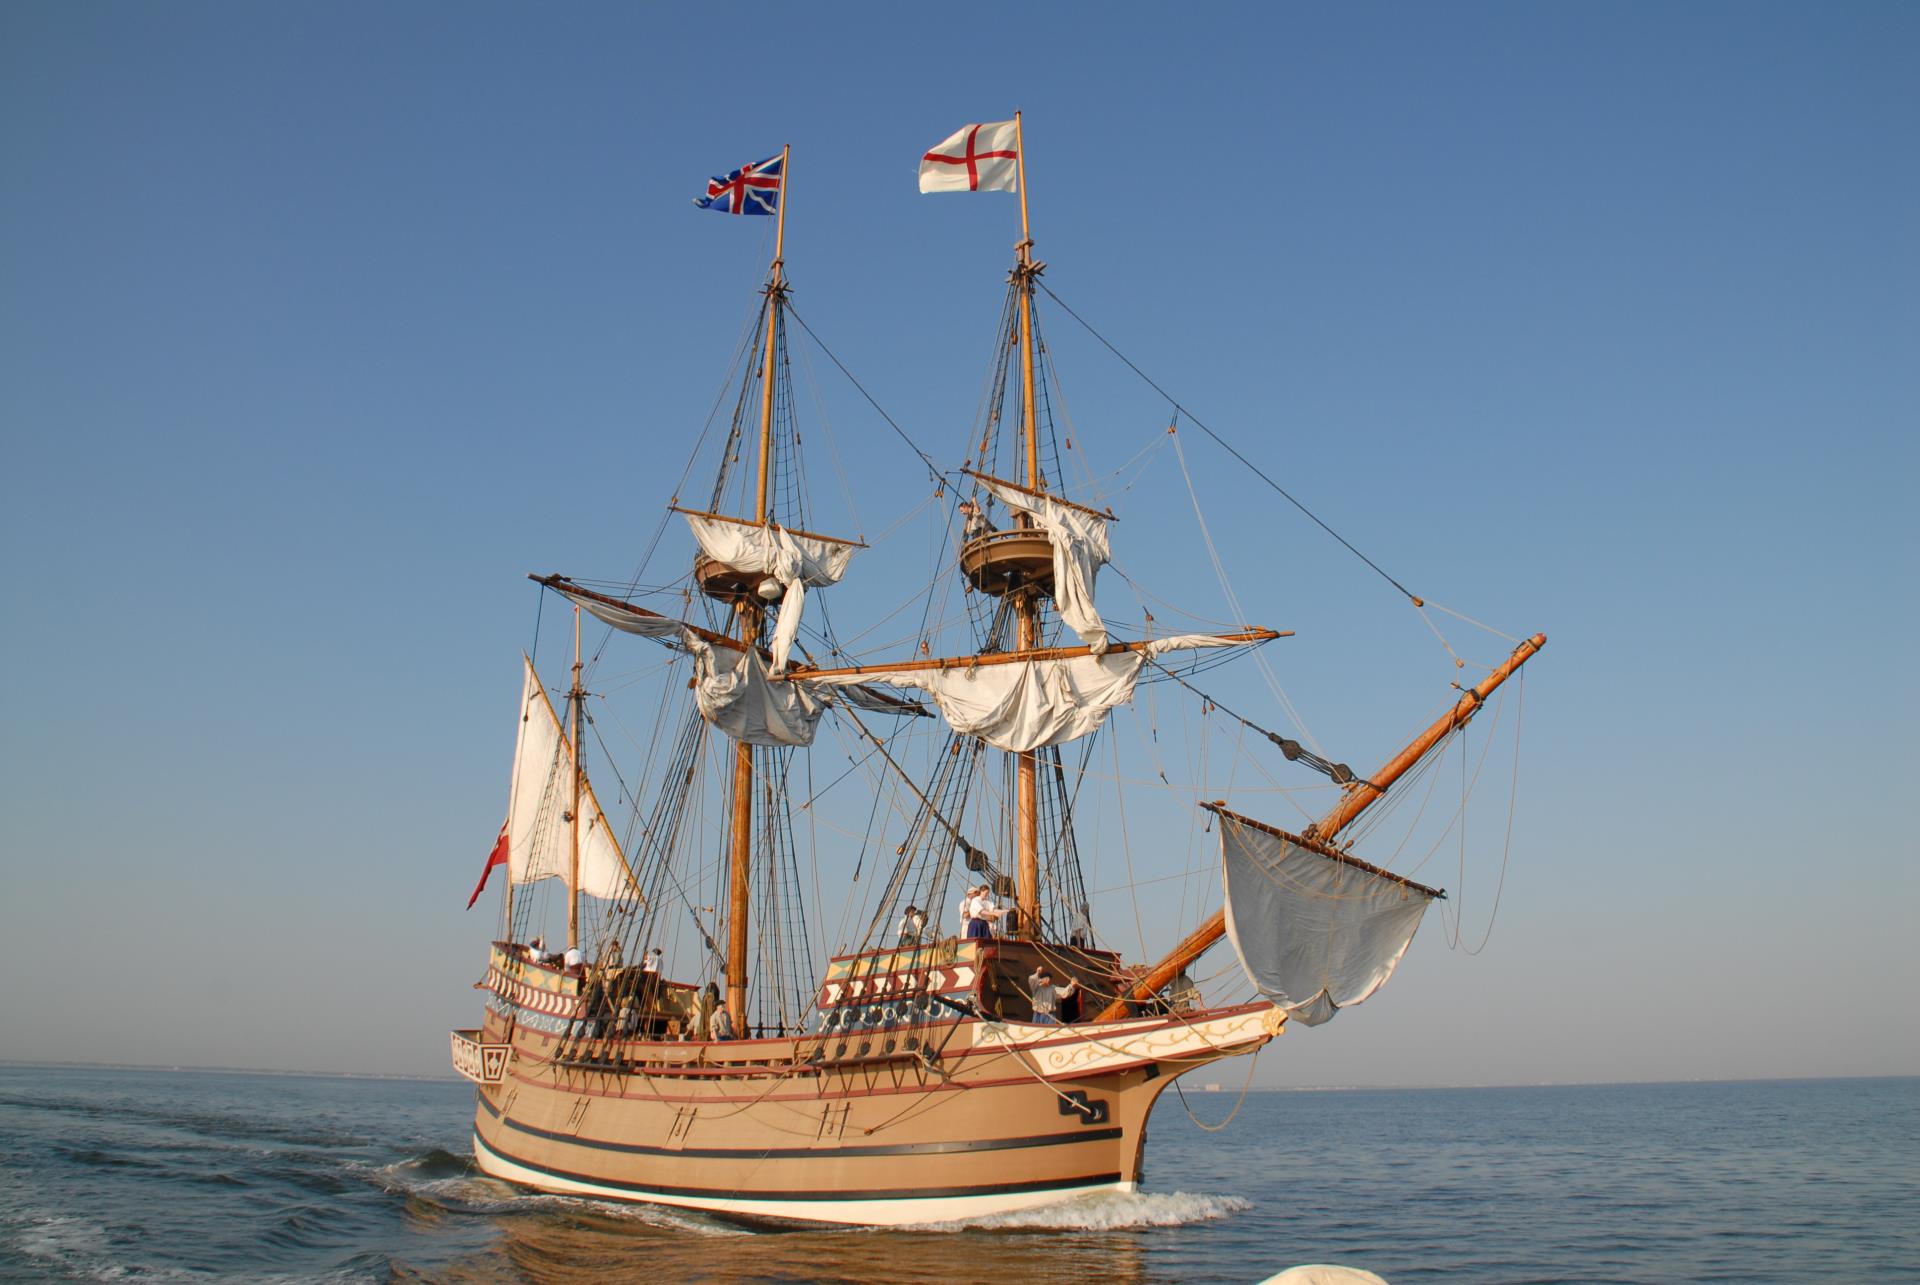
(751, 189)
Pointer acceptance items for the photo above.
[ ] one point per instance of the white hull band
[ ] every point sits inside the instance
(896, 1212)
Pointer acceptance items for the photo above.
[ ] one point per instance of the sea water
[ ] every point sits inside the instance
(151, 1175)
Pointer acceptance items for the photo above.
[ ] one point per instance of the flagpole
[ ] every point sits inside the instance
(1020, 159)
(780, 226)
(776, 279)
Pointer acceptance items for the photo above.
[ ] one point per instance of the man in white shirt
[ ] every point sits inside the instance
(913, 923)
(574, 957)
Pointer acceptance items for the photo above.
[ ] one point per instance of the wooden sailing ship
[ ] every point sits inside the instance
(905, 1079)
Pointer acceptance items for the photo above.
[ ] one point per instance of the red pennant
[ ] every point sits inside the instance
(498, 857)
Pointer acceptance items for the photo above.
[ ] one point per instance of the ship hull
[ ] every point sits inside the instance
(976, 1118)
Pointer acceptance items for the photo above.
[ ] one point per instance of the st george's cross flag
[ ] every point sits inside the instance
(978, 158)
(751, 189)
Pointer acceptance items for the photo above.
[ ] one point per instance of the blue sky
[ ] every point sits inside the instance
(321, 325)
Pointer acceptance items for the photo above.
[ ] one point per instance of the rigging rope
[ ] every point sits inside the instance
(1339, 773)
(1227, 446)
(933, 469)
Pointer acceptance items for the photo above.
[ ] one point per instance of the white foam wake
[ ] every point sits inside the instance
(1110, 1211)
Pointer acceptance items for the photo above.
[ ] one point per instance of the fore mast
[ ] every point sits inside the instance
(727, 584)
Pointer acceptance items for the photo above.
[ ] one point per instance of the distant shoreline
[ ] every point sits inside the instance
(46, 1065)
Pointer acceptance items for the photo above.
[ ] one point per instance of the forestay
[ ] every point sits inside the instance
(1080, 549)
(795, 561)
(539, 843)
(1025, 705)
(1314, 933)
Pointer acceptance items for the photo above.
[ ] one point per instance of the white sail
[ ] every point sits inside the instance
(735, 694)
(1026, 704)
(539, 838)
(632, 620)
(1313, 933)
(1080, 549)
(795, 561)
(738, 699)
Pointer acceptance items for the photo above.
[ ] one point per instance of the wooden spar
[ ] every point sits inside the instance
(1360, 796)
(1219, 807)
(1027, 801)
(790, 530)
(1026, 606)
(562, 585)
(1105, 514)
(573, 833)
(1015, 657)
(739, 868)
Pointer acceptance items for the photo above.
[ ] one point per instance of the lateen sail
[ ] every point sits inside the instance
(647, 624)
(1024, 705)
(1080, 549)
(1315, 934)
(796, 561)
(537, 825)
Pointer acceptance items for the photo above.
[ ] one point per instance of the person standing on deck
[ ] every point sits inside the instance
(1047, 996)
(966, 909)
(982, 915)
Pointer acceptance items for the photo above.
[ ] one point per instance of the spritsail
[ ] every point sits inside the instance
(1316, 930)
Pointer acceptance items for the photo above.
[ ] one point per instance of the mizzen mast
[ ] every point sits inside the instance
(1361, 795)
(576, 710)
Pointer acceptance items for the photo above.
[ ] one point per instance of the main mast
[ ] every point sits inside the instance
(752, 620)
(1026, 604)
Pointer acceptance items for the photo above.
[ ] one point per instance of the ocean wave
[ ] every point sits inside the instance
(1106, 1211)
(208, 1123)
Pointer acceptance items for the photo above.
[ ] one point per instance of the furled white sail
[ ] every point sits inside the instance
(632, 620)
(738, 699)
(736, 695)
(795, 561)
(1314, 934)
(539, 838)
(1080, 549)
(1026, 704)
